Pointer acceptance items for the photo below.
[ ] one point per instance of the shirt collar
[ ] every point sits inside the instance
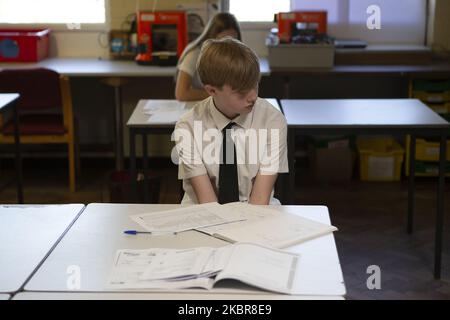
(221, 121)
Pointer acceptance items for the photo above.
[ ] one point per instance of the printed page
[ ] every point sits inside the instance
(262, 267)
(281, 231)
(130, 265)
(185, 218)
(243, 211)
(178, 264)
(218, 260)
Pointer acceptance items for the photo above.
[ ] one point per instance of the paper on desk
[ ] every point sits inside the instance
(154, 106)
(185, 218)
(245, 211)
(279, 231)
(261, 267)
(164, 116)
(129, 266)
(186, 264)
(177, 264)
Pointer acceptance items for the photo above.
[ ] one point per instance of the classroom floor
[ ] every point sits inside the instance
(370, 217)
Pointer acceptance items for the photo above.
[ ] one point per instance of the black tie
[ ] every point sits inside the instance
(228, 172)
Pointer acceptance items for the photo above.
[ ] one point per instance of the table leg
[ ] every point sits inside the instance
(117, 83)
(18, 155)
(133, 174)
(440, 207)
(119, 131)
(411, 186)
(290, 192)
(145, 166)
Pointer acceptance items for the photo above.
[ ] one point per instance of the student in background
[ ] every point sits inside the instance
(232, 145)
(188, 85)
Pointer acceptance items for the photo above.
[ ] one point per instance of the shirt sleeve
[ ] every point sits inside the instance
(189, 63)
(275, 159)
(190, 163)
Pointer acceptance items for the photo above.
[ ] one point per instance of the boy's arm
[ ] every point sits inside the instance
(262, 188)
(203, 189)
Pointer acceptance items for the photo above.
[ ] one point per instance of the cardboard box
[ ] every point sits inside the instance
(332, 159)
(301, 56)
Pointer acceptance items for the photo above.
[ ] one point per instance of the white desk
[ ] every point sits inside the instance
(139, 119)
(95, 237)
(27, 235)
(158, 296)
(4, 296)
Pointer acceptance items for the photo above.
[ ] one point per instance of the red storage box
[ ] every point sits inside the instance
(24, 45)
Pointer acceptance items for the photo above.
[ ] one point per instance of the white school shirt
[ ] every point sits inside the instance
(204, 115)
(189, 65)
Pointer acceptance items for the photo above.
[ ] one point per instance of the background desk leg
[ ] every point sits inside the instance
(133, 175)
(145, 166)
(117, 84)
(18, 155)
(411, 186)
(440, 207)
(119, 133)
(290, 193)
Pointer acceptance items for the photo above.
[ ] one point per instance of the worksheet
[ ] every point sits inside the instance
(186, 218)
(279, 231)
(245, 211)
(266, 226)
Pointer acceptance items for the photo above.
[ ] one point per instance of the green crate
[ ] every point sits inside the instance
(430, 168)
(431, 85)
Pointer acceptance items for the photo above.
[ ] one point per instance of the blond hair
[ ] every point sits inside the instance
(228, 61)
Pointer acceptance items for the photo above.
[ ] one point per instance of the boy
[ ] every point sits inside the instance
(232, 145)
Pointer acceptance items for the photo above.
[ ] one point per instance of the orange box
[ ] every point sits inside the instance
(317, 19)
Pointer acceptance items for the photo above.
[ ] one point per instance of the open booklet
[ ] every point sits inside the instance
(252, 264)
(265, 226)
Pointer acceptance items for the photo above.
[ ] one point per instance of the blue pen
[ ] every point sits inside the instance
(135, 232)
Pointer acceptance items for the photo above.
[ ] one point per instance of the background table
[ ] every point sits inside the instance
(27, 235)
(4, 296)
(138, 125)
(9, 100)
(114, 73)
(374, 116)
(92, 243)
